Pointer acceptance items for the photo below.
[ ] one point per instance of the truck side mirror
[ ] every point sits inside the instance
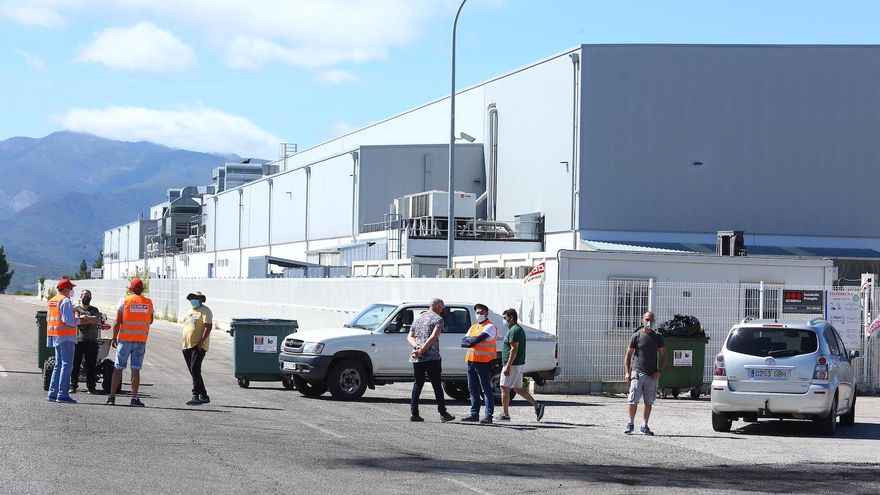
(393, 327)
(854, 353)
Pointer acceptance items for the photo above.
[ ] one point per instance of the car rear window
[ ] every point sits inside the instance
(777, 342)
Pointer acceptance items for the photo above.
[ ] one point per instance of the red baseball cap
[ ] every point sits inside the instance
(65, 284)
(136, 284)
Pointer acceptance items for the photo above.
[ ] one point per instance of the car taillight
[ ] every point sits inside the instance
(821, 370)
(720, 370)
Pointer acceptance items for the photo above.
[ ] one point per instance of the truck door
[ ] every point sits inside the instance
(457, 320)
(392, 348)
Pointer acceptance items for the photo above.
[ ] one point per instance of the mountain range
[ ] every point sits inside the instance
(59, 193)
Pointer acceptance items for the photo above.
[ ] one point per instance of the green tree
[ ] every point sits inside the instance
(83, 270)
(99, 261)
(42, 286)
(5, 272)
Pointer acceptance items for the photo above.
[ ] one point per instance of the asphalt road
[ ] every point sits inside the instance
(266, 439)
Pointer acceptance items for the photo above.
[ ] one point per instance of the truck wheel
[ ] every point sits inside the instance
(244, 383)
(48, 367)
(347, 380)
(720, 422)
(457, 390)
(496, 388)
(828, 424)
(287, 382)
(849, 418)
(307, 388)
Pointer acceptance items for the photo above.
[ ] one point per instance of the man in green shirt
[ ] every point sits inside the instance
(513, 357)
(87, 336)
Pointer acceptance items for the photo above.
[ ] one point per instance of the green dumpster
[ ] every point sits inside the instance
(43, 352)
(256, 343)
(684, 366)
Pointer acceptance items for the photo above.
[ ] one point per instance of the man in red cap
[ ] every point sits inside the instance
(61, 326)
(130, 331)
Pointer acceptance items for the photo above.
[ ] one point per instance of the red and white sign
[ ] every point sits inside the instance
(536, 275)
(870, 329)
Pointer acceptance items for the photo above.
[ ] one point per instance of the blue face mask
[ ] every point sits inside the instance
(195, 303)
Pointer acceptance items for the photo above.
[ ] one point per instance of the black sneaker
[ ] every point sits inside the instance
(504, 417)
(486, 420)
(204, 399)
(111, 401)
(135, 402)
(194, 401)
(446, 417)
(539, 411)
(73, 390)
(415, 418)
(92, 391)
(470, 419)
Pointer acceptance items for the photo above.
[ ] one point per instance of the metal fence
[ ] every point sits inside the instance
(594, 321)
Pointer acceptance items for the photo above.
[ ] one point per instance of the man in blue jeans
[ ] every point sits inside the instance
(480, 341)
(61, 334)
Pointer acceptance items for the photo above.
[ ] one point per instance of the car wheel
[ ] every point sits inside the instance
(307, 388)
(721, 422)
(48, 367)
(244, 383)
(849, 418)
(287, 382)
(828, 424)
(347, 380)
(457, 390)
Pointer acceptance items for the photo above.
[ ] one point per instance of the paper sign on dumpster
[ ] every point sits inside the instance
(683, 357)
(265, 343)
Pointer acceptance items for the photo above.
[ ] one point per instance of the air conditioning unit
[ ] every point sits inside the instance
(521, 271)
(467, 273)
(436, 204)
(492, 272)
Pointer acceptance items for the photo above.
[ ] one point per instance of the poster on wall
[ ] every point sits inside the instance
(265, 343)
(843, 309)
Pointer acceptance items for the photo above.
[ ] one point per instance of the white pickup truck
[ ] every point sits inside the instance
(372, 350)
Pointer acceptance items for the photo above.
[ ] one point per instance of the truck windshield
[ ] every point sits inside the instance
(775, 342)
(372, 317)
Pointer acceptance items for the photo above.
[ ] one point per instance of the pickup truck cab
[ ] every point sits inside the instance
(373, 350)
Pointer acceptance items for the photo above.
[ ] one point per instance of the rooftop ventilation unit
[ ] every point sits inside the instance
(731, 243)
(436, 204)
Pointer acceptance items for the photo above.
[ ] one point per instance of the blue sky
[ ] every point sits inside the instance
(241, 76)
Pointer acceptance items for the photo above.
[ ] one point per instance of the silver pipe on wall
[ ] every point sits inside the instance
(575, 63)
(354, 196)
(492, 169)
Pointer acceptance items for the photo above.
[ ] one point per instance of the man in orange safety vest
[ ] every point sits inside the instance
(133, 319)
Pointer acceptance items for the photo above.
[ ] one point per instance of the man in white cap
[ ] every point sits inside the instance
(196, 335)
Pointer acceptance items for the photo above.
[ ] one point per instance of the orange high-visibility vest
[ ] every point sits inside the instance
(55, 327)
(137, 311)
(483, 352)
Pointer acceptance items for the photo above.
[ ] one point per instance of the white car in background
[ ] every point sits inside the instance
(784, 369)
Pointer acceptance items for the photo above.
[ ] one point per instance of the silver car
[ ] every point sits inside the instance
(784, 369)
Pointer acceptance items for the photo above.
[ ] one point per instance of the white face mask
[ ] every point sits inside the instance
(481, 318)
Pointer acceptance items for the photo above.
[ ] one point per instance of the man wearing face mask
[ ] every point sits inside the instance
(61, 334)
(644, 345)
(86, 344)
(196, 336)
(480, 341)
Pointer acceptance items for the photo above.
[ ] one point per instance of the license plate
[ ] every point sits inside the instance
(769, 374)
(289, 366)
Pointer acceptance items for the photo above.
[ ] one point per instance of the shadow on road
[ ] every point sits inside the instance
(791, 428)
(25, 372)
(254, 407)
(797, 478)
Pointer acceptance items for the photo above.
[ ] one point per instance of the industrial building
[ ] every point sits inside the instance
(601, 148)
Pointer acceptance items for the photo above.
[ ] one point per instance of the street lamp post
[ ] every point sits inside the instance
(450, 234)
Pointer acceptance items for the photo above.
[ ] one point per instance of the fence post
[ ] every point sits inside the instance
(761, 301)
(651, 294)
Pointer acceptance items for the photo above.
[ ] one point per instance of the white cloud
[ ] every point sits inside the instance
(337, 129)
(36, 63)
(143, 47)
(199, 129)
(336, 77)
(33, 15)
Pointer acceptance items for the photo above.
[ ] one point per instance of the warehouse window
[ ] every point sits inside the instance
(629, 300)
